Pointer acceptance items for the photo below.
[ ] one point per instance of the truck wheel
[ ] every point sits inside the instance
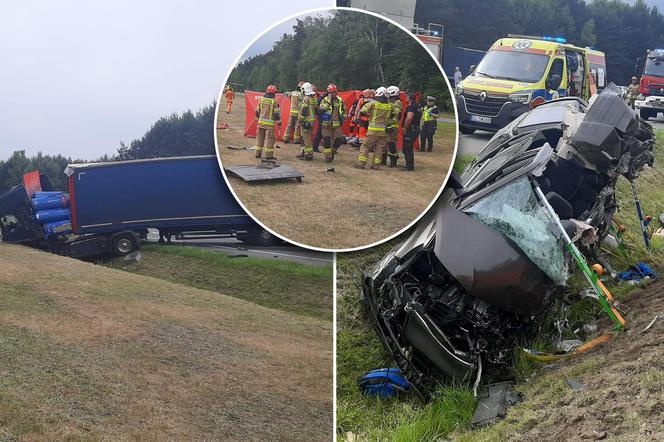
(466, 130)
(123, 244)
(645, 113)
(260, 237)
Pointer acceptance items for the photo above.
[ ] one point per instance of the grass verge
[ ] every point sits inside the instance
(280, 284)
(358, 351)
(91, 353)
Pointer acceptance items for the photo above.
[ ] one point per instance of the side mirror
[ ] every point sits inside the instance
(553, 82)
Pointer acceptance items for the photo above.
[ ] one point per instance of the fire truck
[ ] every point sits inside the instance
(651, 98)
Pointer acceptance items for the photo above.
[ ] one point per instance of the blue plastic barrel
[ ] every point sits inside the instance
(47, 216)
(59, 201)
(62, 227)
(45, 194)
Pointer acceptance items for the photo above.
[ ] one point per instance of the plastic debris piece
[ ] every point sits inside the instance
(574, 384)
(649, 326)
(383, 383)
(637, 272)
(494, 400)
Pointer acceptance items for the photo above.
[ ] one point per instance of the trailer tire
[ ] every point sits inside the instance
(466, 130)
(259, 237)
(124, 243)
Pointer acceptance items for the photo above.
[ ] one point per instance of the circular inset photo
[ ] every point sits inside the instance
(336, 129)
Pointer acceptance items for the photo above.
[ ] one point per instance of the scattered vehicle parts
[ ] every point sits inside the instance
(494, 401)
(480, 272)
(383, 383)
(655, 319)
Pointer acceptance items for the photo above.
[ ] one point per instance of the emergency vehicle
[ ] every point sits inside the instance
(520, 72)
(651, 98)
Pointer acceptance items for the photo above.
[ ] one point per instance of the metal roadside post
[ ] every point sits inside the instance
(639, 212)
(603, 295)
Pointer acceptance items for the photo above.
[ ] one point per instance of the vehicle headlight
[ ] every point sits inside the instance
(522, 97)
(458, 90)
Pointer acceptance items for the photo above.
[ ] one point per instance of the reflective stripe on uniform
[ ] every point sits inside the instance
(377, 106)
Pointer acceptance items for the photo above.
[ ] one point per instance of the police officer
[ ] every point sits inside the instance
(632, 92)
(307, 118)
(394, 98)
(267, 114)
(411, 130)
(293, 129)
(381, 116)
(429, 124)
(333, 114)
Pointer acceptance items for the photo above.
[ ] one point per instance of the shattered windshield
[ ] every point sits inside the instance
(654, 67)
(513, 65)
(514, 212)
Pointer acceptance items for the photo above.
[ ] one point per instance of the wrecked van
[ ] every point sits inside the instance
(478, 274)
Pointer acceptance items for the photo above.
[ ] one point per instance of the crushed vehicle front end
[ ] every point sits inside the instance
(480, 271)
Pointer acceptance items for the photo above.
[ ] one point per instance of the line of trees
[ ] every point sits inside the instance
(189, 133)
(621, 30)
(349, 49)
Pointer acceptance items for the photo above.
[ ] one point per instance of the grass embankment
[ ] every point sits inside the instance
(630, 366)
(93, 353)
(341, 209)
(280, 284)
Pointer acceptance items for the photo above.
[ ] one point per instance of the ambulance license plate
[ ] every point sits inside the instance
(480, 119)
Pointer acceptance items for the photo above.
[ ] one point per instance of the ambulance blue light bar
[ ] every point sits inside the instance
(556, 39)
(544, 38)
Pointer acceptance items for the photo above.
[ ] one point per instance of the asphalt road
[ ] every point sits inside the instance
(473, 144)
(234, 247)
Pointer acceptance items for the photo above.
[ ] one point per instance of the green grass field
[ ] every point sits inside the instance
(358, 349)
(91, 353)
(284, 285)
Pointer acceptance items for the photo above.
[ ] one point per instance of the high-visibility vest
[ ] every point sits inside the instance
(380, 115)
(332, 111)
(295, 103)
(397, 113)
(266, 111)
(308, 109)
(427, 114)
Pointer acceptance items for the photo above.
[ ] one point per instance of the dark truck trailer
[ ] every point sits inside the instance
(114, 204)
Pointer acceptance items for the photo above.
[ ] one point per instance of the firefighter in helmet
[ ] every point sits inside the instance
(633, 92)
(267, 114)
(307, 119)
(381, 117)
(293, 130)
(333, 113)
(394, 98)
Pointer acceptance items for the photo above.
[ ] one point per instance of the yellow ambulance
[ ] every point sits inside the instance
(519, 72)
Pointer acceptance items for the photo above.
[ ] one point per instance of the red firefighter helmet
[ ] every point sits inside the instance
(271, 89)
(331, 88)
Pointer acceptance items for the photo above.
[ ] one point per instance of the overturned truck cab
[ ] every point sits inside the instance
(480, 271)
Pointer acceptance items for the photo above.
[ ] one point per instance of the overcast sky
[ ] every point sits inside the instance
(77, 77)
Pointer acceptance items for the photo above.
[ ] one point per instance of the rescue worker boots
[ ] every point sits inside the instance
(392, 154)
